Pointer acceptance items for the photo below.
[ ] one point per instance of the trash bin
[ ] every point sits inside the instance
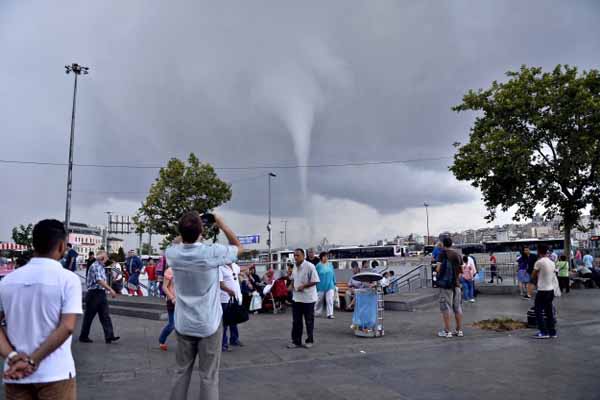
(367, 319)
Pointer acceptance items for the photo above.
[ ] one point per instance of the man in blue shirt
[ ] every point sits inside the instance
(96, 302)
(198, 309)
(71, 263)
(134, 267)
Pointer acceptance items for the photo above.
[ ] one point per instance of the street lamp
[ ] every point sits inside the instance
(427, 214)
(77, 70)
(271, 175)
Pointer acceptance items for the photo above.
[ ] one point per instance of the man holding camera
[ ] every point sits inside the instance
(198, 313)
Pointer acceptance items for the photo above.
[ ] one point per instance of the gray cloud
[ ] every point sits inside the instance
(255, 83)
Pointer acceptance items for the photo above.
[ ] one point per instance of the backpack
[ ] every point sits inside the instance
(446, 278)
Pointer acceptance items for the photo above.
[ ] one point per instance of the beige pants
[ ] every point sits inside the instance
(64, 390)
(208, 350)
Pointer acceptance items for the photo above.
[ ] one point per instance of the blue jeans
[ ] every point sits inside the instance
(468, 289)
(153, 288)
(168, 328)
(233, 330)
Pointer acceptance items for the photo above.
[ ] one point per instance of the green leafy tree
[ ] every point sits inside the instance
(179, 188)
(23, 235)
(535, 144)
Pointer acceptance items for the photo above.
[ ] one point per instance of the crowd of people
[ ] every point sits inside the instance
(204, 290)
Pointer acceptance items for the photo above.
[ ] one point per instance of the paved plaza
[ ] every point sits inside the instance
(410, 362)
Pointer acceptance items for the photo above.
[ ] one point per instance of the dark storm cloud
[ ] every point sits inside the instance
(244, 83)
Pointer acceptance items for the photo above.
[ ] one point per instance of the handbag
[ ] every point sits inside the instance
(256, 302)
(556, 286)
(235, 313)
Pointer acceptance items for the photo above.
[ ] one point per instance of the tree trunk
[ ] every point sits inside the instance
(567, 244)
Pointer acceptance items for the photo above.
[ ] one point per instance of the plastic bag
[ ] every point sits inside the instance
(365, 310)
(267, 289)
(336, 298)
(255, 302)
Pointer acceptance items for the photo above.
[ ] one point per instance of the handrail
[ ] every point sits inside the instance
(408, 273)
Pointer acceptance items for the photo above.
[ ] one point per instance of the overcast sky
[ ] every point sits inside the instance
(251, 83)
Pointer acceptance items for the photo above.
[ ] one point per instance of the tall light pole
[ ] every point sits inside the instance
(284, 221)
(271, 175)
(77, 70)
(427, 215)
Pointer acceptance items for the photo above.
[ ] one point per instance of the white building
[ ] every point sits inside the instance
(85, 238)
(114, 244)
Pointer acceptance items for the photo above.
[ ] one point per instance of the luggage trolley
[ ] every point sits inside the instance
(367, 320)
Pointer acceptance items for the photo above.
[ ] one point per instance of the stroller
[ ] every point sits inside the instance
(275, 300)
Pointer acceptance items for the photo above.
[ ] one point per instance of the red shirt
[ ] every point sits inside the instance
(151, 271)
(493, 260)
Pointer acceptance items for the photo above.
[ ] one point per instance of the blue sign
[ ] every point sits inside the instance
(249, 239)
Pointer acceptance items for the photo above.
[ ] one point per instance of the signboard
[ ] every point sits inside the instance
(249, 239)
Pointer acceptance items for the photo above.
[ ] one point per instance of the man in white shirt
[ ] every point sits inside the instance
(40, 302)
(305, 279)
(544, 270)
(198, 313)
(229, 276)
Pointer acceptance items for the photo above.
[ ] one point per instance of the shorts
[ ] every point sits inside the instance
(451, 300)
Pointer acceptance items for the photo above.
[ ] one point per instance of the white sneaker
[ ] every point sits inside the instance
(472, 300)
(459, 334)
(444, 334)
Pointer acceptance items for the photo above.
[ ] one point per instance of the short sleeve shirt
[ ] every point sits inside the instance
(230, 277)
(545, 268)
(96, 273)
(33, 299)
(196, 276)
(303, 274)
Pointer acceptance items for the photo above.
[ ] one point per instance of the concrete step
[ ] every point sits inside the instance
(497, 289)
(411, 300)
(142, 313)
(151, 303)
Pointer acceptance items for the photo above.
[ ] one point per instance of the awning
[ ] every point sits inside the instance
(12, 246)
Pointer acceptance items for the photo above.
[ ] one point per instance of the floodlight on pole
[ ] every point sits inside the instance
(77, 70)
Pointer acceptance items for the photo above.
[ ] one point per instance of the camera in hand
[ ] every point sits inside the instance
(210, 230)
(208, 219)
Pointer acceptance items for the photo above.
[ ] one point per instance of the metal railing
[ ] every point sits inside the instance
(413, 279)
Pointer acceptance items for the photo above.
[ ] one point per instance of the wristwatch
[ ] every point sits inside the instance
(11, 355)
(32, 363)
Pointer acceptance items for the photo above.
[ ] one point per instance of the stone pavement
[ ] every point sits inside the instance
(410, 362)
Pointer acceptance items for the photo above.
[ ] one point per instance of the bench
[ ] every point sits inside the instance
(580, 283)
(342, 288)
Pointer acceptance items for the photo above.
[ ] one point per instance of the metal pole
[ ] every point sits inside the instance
(150, 242)
(271, 175)
(285, 232)
(269, 225)
(70, 173)
(141, 250)
(427, 214)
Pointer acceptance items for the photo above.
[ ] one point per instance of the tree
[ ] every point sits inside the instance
(23, 235)
(535, 144)
(180, 188)
(146, 249)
